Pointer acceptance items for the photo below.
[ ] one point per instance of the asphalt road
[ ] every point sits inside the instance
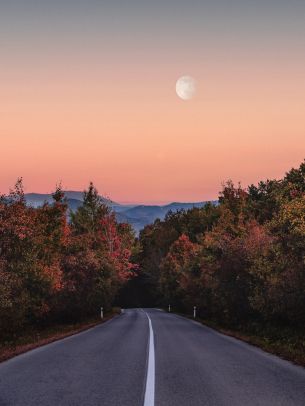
(185, 364)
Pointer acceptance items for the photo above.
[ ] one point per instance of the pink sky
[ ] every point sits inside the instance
(69, 113)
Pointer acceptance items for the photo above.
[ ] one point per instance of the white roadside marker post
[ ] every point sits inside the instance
(194, 312)
(102, 313)
(169, 308)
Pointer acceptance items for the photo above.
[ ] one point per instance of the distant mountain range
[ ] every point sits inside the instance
(136, 215)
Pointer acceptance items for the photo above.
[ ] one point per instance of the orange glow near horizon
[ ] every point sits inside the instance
(118, 122)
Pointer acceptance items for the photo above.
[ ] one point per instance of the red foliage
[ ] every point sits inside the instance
(55, 263)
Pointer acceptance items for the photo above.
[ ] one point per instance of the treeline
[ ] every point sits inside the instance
(238, 261)
(57, 266)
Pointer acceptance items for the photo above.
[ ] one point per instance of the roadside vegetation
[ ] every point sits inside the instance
(241, 262)
(58, 268)
(37, 335)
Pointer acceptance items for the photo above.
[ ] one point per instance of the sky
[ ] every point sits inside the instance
(87, 93)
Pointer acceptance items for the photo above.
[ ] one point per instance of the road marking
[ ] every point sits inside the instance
(149, 399)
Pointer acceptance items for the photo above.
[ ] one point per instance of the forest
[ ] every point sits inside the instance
(239, 261)
(57, 266)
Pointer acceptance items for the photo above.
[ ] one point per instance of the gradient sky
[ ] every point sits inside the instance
(88, 93)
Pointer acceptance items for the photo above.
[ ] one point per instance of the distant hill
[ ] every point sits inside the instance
(37, 199)
(74, 204)
(138, 216)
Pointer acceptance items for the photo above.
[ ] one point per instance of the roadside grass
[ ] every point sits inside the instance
(283, 341)
(34, 337)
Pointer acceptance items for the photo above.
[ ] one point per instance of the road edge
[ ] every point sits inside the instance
(10, 353)
(252, 341)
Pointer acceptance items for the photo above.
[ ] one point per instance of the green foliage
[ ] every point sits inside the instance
(86, 218)
(238, 261)
(52, 269)
(241, 260)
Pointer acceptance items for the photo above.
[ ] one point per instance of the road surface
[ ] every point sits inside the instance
(151, 358)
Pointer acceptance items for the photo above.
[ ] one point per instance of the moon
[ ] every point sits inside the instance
(186, 87)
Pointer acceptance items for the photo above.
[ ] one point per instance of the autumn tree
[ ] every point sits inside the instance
(179, 271)
(97, 261)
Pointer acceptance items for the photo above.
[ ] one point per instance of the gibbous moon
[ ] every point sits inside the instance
(186, 87)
